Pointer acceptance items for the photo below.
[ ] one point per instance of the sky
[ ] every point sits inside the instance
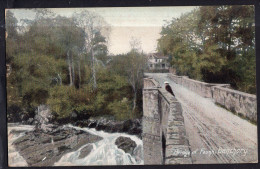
(142, 23)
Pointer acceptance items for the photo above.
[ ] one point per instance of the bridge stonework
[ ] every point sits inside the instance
(164, 135)
(241, 103)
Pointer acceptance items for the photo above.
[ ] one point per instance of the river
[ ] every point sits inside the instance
(104, 152)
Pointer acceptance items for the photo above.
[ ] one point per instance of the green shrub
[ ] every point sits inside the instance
(121, 110)
(66, 99)
(81, 100)
(59, 101)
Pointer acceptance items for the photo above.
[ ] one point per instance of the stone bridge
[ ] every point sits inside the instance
(164, 135)
(193, 128)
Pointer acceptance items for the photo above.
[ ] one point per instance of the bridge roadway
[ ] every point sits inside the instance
(211, 129)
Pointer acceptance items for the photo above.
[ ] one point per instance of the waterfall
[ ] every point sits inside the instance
(104, 152)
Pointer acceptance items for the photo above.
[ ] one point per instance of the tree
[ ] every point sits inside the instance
(214, 44)
(181, 41)
(94, 26)
(134, 67)
(11, 25)
(11, 35)
(41, 61)
(71, 39)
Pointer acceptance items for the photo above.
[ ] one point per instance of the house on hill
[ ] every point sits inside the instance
(158, 62)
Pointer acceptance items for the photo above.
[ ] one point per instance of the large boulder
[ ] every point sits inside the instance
(136, 128)
(85, 151)
(128, 124)
(102, 124)
(44, 119)
(126, 144)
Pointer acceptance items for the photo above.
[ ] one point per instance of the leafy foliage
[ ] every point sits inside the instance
(215, 44)
(53, 61)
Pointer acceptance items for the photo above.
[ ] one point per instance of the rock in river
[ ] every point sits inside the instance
(45, 148)
(85, 151)
(126, 144)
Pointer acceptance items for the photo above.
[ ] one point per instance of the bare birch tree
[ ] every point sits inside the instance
(135, 68)
(71, 41)
(96, 33)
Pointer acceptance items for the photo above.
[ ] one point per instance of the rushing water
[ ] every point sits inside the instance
(104, 152)
(16, 131)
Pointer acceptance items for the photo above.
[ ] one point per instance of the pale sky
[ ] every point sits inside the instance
(142, 23)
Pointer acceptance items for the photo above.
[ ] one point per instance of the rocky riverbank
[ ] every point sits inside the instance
(48, 142)
(133, 127)
(45, 148)
(44, 119)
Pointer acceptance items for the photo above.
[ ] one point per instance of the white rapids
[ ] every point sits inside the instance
(14, 158)
(104, 152)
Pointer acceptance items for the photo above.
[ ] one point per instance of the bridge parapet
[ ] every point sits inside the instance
(241, 103)
(202, 88)
(164, 135)
(177, 149)
(150, 83)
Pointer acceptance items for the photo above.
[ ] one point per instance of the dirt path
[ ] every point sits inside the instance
(215, 134)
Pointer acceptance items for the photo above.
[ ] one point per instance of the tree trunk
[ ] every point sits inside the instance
(79, 73)
(73, 71)
(69, 67)
(229, 34)
(60, 79)
(134, 102)
(93, 70)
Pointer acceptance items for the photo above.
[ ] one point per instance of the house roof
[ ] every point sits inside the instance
(157, 56)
